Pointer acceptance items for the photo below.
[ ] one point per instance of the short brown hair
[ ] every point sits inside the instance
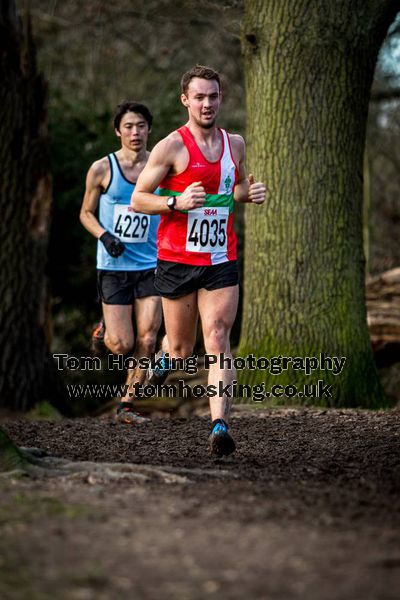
(199, 71)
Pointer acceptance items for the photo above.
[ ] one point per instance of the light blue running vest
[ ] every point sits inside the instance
(137, 231)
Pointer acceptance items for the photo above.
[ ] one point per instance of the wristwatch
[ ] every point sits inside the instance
(171, 202)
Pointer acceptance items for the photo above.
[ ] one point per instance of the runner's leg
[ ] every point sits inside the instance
(217, 310)
(148, 316)
(119, 336)
(180, 317)
(164, 344)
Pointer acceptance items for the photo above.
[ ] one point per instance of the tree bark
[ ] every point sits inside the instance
(309, 67)
(27, 373)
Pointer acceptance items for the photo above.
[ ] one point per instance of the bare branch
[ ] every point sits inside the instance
(382, 95)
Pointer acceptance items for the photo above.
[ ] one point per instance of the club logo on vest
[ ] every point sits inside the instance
(227, 183)
(197, 165)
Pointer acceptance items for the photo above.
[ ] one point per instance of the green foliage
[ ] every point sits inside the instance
(11, 457)
(44, 411)
(79, 136)
(27, 508)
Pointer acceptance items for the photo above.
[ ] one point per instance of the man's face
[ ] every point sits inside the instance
(133, 131)
(202, 101)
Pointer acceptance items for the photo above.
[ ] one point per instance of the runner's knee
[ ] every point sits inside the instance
(118, 345)
(145, 344)
(216, 340)
(181, 350)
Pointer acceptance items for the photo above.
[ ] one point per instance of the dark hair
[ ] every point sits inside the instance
(198, 71)
(131, 106)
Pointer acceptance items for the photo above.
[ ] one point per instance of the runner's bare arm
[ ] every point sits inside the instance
(246, 189)
(160, 163)
(94, 182)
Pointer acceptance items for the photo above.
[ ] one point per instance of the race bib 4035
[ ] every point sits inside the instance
(130, 226)
(207, 229)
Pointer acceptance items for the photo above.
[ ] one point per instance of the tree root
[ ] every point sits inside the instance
(37, 464)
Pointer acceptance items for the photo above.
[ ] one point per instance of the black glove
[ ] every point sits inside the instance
(112, 244)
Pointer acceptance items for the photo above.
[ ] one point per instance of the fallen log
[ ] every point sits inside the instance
(383, 314)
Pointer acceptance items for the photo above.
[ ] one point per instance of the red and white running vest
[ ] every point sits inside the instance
(202, 236)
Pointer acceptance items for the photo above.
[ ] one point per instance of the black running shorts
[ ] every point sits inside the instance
(122, 287)
(174, 280)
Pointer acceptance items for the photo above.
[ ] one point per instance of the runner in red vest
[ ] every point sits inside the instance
(200, 172)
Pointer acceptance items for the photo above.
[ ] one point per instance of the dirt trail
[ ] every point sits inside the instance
(307, 508)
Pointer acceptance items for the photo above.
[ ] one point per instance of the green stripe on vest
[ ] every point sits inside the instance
(212, 200)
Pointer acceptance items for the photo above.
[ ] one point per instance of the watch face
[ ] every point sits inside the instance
(171, 202)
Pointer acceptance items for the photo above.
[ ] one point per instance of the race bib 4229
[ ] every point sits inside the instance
(130, 226)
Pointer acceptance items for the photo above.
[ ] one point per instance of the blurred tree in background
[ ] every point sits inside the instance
(383, 147)
(27, 372)
(383, 152)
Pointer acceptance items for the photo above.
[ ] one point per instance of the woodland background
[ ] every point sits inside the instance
(316, 491)
(95, 54)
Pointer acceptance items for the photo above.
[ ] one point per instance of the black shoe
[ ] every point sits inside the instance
(221, 443)
(127, 416)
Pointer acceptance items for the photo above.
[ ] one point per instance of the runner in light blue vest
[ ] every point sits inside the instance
(126, 247)
(137, 232)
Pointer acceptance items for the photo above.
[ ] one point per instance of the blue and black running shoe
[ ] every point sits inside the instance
(221, 442)
(161, 370)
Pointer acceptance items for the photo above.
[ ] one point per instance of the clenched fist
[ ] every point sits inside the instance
(193, 197)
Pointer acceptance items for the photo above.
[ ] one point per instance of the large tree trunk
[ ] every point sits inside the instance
(309, 67)
(27, 373)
